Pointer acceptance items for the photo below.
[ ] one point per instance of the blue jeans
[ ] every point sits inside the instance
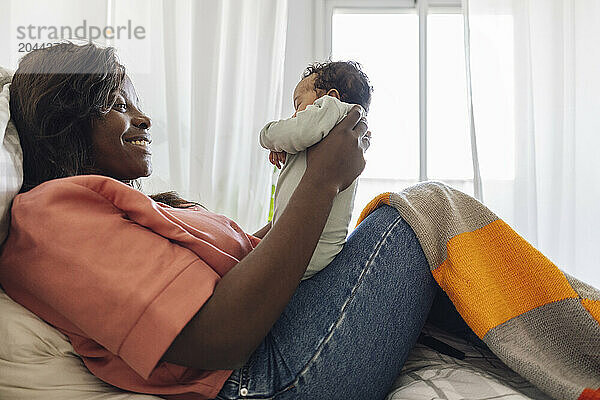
(347, 331)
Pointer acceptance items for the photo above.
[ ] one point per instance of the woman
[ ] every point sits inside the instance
(169, 300)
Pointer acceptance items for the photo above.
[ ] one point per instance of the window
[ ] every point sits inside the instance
(448, 143)
(414, 56)
(394, 115)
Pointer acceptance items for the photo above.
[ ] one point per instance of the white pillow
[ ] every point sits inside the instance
(11, 156)
(38, 362)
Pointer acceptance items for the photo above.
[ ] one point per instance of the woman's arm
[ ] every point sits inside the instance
(251, 297)
(263, 231)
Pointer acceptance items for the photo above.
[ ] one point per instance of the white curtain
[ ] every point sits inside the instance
(535, 77)
(210, 77)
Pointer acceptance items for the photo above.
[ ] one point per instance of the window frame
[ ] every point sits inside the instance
(324, 11)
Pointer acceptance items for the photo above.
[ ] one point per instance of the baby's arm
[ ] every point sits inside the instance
(306, 128)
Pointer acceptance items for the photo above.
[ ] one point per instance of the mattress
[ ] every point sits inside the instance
(431, 374)
(38, 362)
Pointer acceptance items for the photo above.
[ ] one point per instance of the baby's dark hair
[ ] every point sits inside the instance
(345, 76)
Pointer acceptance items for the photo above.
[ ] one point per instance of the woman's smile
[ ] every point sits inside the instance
(140, 143)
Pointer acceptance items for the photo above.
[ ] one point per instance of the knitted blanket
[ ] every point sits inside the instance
(541, 322)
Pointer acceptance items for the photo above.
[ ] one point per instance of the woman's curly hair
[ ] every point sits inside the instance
(56, 95)
(345, 76)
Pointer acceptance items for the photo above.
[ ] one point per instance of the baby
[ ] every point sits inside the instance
(322, 98)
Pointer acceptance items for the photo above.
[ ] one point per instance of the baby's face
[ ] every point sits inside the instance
(305, 93)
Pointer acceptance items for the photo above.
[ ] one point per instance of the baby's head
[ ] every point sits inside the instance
(342, 79)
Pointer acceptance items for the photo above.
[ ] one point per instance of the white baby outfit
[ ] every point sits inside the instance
(294, 136)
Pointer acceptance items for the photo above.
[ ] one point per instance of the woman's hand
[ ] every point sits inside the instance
(338, 160)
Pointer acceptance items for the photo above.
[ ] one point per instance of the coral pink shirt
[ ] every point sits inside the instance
(120, 275)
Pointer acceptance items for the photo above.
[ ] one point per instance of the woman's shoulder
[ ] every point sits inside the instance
(83, 189)
(93, 182)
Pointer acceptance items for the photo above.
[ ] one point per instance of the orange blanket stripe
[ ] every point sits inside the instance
(593, 306)
(481, 279)
(383, 198)
(590, 394)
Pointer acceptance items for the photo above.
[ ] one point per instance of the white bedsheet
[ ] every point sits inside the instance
(38, 363)
(429, 374)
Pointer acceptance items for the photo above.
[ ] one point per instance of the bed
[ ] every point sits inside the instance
(38, 362)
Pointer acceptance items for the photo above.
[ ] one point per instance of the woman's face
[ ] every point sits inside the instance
(121, 141)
